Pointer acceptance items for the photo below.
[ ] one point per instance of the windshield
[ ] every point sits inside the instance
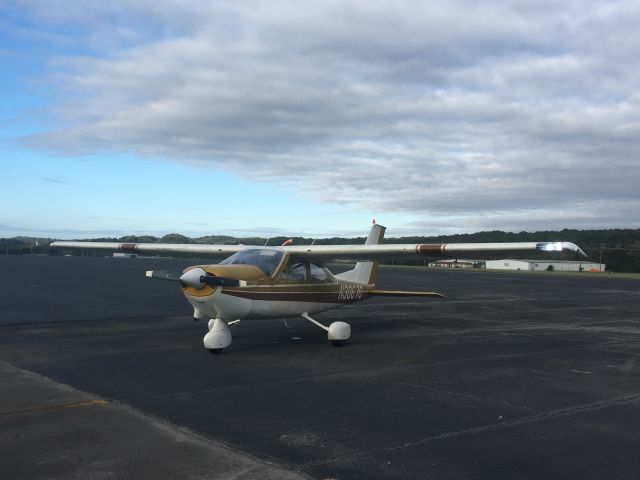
(266, 260)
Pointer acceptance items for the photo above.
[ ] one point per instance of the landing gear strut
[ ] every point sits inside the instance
(338, 332)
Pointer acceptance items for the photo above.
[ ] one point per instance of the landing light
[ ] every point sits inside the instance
(552, 247)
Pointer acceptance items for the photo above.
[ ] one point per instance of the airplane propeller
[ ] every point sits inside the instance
(196, 278)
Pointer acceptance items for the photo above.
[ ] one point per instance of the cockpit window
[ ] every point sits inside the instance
(299, 270)
(266, 260)
(319, 274)
(295, 271)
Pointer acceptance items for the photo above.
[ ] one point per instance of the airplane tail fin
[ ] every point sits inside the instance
(365, 272)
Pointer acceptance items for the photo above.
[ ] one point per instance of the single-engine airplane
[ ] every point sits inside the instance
(291, 281)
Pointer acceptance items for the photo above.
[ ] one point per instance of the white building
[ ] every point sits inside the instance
(542, 265)
(454, 263)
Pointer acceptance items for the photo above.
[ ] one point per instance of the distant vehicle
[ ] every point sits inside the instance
(291, 281)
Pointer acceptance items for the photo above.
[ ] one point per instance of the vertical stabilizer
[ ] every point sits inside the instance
(365, 272)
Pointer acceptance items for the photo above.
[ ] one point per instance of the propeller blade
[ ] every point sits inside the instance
(197, 278)
(162, 275)
(214, 281)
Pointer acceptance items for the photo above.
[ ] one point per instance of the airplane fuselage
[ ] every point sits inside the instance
(273, 300)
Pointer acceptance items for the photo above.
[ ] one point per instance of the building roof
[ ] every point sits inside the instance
(527, 260)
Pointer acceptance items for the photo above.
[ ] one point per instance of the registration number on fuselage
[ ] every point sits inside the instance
(350, 292)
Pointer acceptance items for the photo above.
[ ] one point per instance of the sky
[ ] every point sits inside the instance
(312, 118)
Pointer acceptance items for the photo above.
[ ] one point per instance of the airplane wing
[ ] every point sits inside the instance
(321, 253)
(189, 248)
(425, 250)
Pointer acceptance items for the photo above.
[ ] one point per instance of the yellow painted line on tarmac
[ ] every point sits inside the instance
(45, 408)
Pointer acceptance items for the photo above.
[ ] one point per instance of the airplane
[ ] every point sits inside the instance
(291, 280)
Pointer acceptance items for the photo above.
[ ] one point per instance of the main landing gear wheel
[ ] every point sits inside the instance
(219, 336)
(338, 332)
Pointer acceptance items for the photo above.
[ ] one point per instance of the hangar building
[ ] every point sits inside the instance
(541, 265)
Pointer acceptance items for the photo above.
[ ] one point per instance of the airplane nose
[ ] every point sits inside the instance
(193, 278)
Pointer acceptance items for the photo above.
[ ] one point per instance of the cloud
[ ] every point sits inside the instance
(55, 179)
(504, 113)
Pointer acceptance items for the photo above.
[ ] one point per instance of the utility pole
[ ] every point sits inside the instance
(600, 264)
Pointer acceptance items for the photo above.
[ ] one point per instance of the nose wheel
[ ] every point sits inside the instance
(219, 336)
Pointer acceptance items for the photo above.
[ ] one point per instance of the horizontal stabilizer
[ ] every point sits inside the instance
(401, 293)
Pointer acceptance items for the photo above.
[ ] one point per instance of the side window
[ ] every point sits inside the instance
(318, 274)
(295, 270)
(300, 271)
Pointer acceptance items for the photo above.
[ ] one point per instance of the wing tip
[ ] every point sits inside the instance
(559, 247)
(574, 248)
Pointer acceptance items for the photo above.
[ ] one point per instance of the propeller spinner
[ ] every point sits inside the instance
(193, 278)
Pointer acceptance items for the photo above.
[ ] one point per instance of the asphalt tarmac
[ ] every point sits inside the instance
(511, 376)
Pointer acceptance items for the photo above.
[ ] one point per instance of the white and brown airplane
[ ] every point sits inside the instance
(291, 281)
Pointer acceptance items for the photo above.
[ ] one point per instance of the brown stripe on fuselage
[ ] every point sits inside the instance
(430, 248)
(129, 247)
(293, 296)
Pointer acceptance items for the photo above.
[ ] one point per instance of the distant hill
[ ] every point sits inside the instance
(619, 249)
